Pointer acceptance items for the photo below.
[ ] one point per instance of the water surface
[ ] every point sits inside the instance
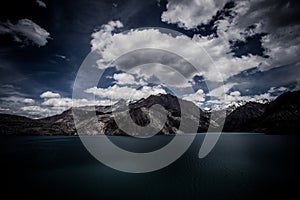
(241, 166)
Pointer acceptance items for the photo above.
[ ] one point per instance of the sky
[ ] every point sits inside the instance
(242, 51)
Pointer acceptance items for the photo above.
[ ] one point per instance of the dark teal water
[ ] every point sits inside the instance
(241, 166)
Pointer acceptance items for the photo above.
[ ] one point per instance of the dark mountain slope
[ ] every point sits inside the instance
(244, 118)
(281, 116)
(139, 111)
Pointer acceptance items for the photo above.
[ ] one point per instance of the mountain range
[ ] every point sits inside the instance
(281, 116)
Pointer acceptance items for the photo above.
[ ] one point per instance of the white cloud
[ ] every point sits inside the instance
(235, 99)
(198, 51)
(58, 102)
(279, 19)
(41, 3)
(103, 37)
(282, 89)
(226, 63)
(198, 97)
(54, 101)
(68, 102)
(265, 97)
(221, 99)
(172, 75)
(61, 56)
(124, 79)
(49, 94)
(283, 47)
(279, 89)
(4, 109)
(17, 99)
(23, 106)
(235, 94)
(34, 109)
(29, 101)
(26, 31)
(52, 104)
(124, 92)
(191, 13)
(39, 111)
(220, 91)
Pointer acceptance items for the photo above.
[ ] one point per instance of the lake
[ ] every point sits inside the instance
(241, 166)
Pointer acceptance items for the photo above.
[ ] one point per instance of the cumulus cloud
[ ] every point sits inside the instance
(14, 105)
(104, 36)
(198, 97)
(235, 93)
(189, 14)
(125, 92)
(50, 94)
(174, 50)
(52, 104)
(58, 102)
(169, 68)
(29, 101)
(125, 79)
(68, 102)
(25, 31)
(278, 19)
(35, 110)
(41, 3)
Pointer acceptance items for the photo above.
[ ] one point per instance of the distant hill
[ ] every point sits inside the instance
(281, 116)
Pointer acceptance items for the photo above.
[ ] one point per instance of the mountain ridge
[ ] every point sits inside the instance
(276, 117)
